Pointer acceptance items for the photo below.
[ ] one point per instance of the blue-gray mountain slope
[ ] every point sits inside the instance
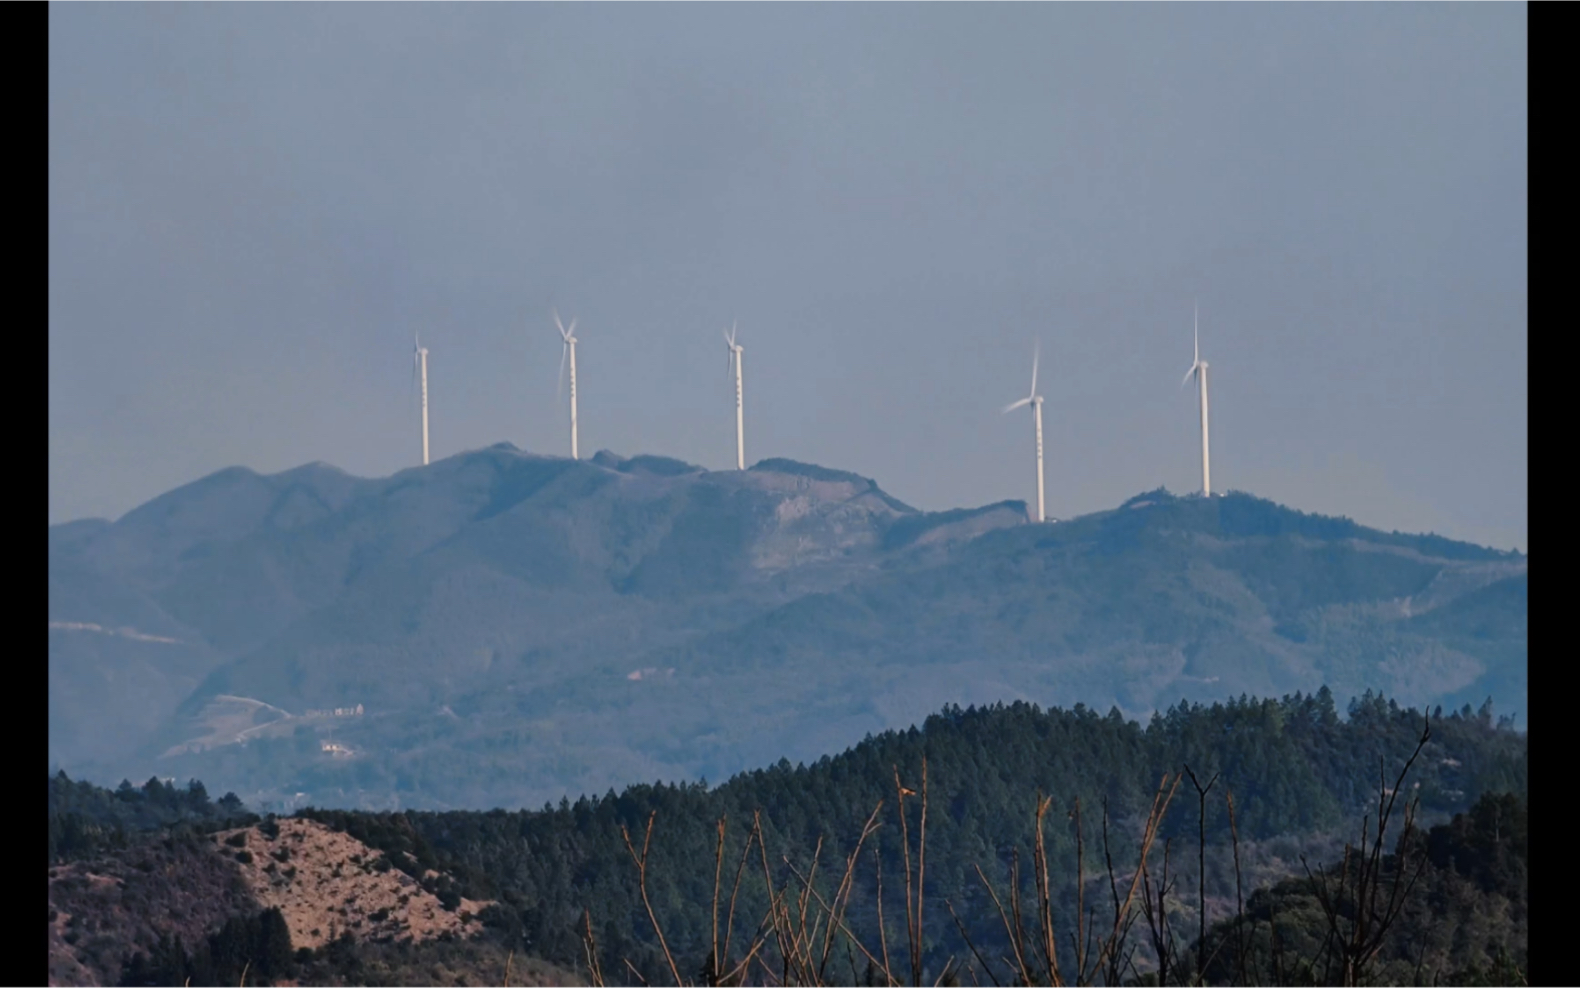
(515, 626)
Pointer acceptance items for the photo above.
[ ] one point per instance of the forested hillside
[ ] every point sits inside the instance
(1301, 774)
(1465, 919)
(85, 819)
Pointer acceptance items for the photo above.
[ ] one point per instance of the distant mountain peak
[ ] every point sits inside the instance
(812, 471)
(957, 525)
(1148, 498)
(663, 466)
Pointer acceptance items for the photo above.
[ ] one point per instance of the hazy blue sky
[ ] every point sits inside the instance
(254, 207)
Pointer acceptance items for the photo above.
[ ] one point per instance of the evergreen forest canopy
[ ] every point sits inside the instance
(1301, 777)
(519, 627)
(85, 820)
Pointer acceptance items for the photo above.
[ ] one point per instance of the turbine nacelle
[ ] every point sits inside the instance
(732, 348)
(418, 354)
(1198, 370)
(1035, 401)
(567, 334)
(1033, 398)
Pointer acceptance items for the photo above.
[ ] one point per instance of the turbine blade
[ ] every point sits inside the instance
(1196, 329)
(560, 326)
(1011, 407)
(1035, 352)
(1188, 375)
(559, 382)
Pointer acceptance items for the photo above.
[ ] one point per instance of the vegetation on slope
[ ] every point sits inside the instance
(1465, 921)
(1294, 766)
(151, 886)
(1032, 798)
(85, 819)
(154, 885)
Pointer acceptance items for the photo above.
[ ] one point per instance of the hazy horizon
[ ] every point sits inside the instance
(253, 209)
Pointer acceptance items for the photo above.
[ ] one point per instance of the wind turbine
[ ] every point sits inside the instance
(419, 367)
(734, 361)
(569, 350)
(1035, 401)
(1198, 368)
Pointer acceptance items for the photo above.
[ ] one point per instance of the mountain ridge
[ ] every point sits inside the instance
(518, 625)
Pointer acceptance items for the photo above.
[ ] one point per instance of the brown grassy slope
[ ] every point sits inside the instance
(326, 883)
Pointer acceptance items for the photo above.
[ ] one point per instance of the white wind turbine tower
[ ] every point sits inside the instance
(1199, 368)
(734, 349)
(419, 367)
(569, 350)
(1035, 401)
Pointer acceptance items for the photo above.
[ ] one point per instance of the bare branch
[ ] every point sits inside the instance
(641, 868)
(590, 945)
(729, 926)
(1014, 940)
(921, 871)
(847, 884)
(967, 938)
(718, 873)
(900, 793)
(883, 936)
